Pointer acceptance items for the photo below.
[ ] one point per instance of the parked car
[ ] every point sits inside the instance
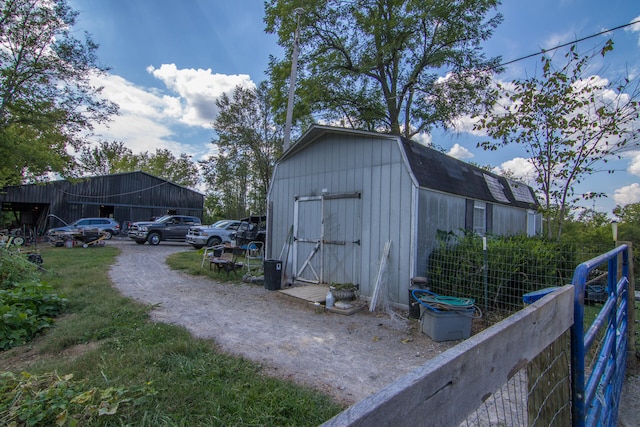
(108, 226)
(211, 235)
(168, 227)
(251, 229)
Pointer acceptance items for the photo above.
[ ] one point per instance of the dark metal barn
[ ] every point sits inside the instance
(126, 197)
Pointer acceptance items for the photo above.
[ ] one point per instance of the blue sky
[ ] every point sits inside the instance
(170, 60)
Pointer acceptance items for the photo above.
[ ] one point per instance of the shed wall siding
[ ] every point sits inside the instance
(437, 211)
(445, 212)
(509, 221)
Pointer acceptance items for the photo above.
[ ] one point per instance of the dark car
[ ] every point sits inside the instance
(108, 226)
(168, 227)
(251, 229)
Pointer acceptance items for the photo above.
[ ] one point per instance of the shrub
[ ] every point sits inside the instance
(511, 267)
(15, 268)
(26, 306)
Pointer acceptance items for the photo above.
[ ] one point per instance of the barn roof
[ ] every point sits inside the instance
(110, 177)
(437, 171)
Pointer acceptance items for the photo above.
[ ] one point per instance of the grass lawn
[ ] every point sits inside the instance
(108, 343)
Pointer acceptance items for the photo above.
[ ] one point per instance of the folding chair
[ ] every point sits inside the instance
(254, 256)
(210, 253)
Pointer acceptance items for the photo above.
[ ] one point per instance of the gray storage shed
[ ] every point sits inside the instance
(339, 195)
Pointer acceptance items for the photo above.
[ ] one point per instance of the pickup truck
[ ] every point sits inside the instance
(211, 235)
(168, 227)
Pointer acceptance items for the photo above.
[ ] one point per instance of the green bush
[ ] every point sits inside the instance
(497, 279)
(26, 306)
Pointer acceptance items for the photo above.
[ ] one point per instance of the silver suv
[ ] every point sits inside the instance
(108, 226)
(212, 235)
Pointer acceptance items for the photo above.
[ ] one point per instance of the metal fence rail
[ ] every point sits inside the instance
(596, 387)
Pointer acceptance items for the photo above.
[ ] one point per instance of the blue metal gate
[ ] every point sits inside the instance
(596, 390)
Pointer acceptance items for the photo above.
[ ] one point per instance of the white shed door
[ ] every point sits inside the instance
(327, 239)
(307, 239)
(341, 239)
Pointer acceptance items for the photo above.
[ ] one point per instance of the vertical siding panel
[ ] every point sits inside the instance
(85, 197)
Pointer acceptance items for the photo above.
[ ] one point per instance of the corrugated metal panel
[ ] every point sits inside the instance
(133, 196)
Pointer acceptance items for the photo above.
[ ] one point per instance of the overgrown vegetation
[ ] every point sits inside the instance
(27, 306)
(53, 400)
(498, 278)
(127, 370)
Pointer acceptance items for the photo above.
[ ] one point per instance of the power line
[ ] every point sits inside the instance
(543, 51)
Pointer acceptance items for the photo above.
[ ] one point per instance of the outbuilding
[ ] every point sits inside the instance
(338, 196)
(126, 197)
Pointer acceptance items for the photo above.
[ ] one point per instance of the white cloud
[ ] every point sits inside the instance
(137, 101)
(145, 118)
(423, 138)
(627, 194)
(634, 166)
(465, 124)
(519, 167)
(151, 118)
(557, 39)
(459, 152)
(198, 90)
(635, 28)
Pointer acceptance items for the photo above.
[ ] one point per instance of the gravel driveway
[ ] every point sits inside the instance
(347, 357)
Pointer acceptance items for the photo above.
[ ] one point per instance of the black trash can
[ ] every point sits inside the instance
(272, 274)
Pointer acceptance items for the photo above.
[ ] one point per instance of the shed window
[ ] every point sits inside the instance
(479, 218)
(531, 224)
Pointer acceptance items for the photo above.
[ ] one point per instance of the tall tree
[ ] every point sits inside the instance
(628, 214)
(399, 65)
(163, 163)
(47, 99)
(106, 158)
(249, 142)
(114, 157)
(568, 123)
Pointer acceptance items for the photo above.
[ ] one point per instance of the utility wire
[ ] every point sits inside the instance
(543, 51)
(112, 195)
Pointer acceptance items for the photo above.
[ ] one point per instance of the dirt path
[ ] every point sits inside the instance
(348, 357)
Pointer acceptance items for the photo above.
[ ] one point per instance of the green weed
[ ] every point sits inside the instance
(107, 342)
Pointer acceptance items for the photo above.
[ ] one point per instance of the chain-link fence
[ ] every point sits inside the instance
(537, 395)
(498, 271)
